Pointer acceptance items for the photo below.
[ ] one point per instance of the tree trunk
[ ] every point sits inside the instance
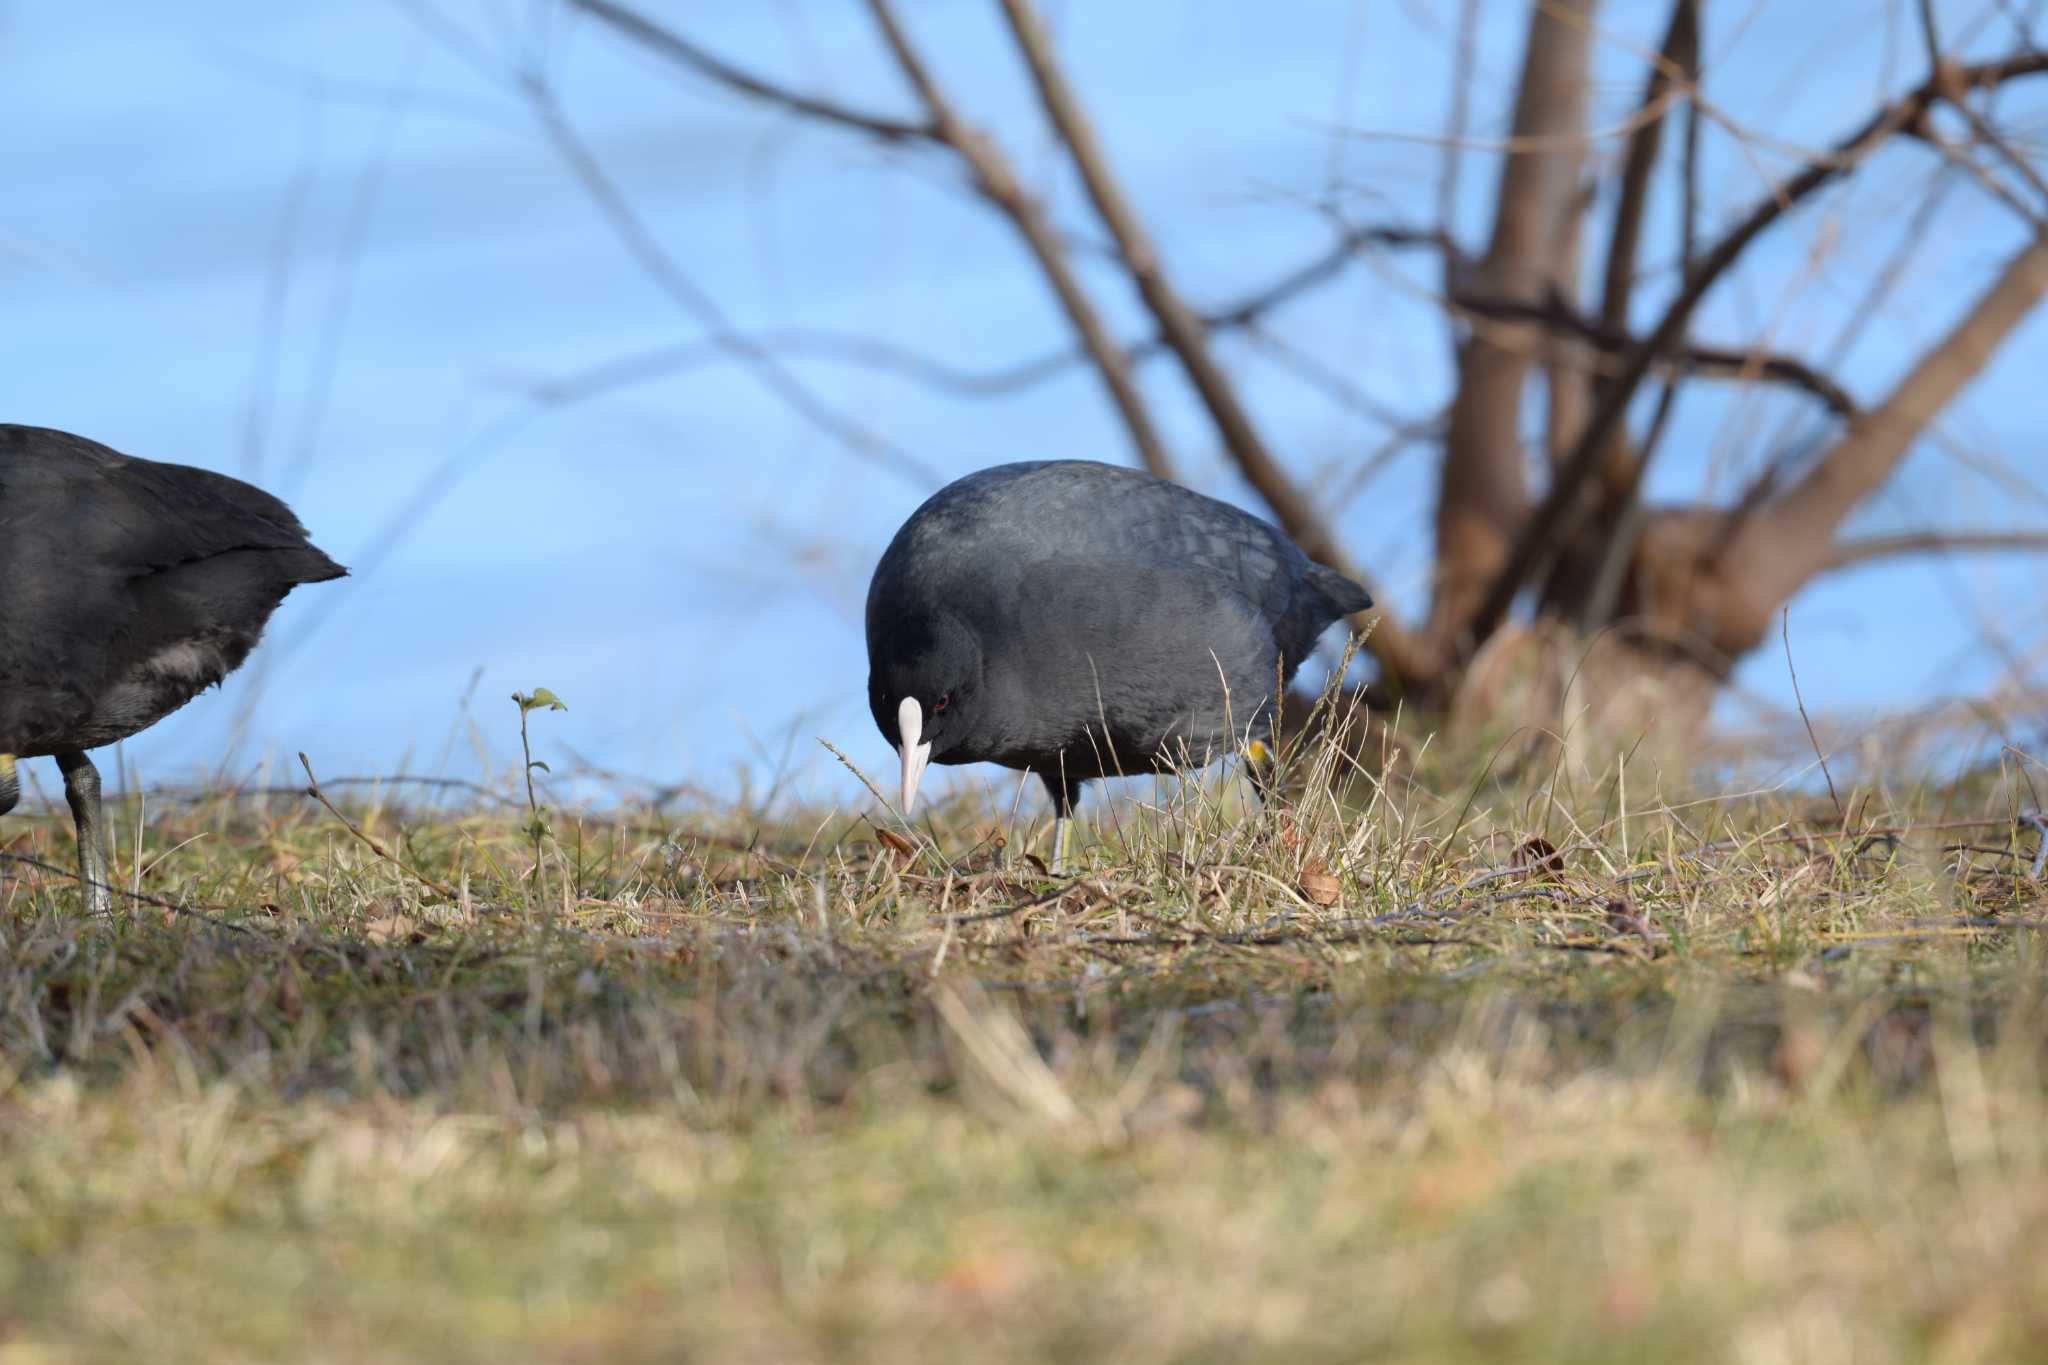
(1483, 492)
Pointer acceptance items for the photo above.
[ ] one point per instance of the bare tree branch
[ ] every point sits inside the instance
(1945, 70)
(1846, 554)
(877, 353)
(1555, 315)
(1788, 540)
(1336, 385)
(1183, 331)
(1678, 60)
(1000, 186)
(663, 269)
(666, 42)
(992, 177)
(1677, 67)
(1458, 117)
(1548, 522)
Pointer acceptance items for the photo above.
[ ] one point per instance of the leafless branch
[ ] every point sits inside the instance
(992, 177)
(877, 353)
(1945, 69)
(1677, 68)
(667, 43)
(1788, 540)
(1336, 385)
(1556, 315)
(1458, 117)
(1678, 61)
(1859, 550)
(998, 183)
(1547, 523)
(663, 269)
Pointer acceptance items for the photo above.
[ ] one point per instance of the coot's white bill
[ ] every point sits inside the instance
(910, 728)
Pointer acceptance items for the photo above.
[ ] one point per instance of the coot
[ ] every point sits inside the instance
(127, 587)
(1079, 620)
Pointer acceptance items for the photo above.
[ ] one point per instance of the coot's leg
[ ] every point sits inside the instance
(1065, 792)
(10, 784)
(82, 792)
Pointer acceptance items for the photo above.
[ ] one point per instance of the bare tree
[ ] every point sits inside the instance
(1560, 550)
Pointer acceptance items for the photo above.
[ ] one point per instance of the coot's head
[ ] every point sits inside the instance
(924, 682)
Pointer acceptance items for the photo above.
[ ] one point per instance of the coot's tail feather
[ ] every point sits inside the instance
(1347, 597)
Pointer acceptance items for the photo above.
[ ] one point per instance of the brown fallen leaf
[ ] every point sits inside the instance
(897, 844)
(1317, 886)
(1537, 854)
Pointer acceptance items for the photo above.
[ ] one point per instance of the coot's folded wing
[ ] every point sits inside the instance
(1219, 547)
(96, 506)
(81, 527)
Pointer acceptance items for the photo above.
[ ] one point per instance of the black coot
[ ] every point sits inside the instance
(1079, 620)
(127, 587)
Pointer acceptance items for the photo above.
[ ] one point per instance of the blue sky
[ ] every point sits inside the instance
(316, 246)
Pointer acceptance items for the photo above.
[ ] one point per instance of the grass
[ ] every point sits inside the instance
(1744, 1078)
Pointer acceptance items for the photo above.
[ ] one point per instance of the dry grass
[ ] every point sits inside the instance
(1742, 1079)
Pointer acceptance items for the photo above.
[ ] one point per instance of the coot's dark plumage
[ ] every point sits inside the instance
(127, 587)
(1078, 620)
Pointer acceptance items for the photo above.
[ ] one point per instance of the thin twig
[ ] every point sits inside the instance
(672, 45)
(1557, 315)
(1944, 69)
(313, 790)
(1785, 633)
(998, 183)
(142, 897)
(662, 267)
(878, 353)
(1862, 549)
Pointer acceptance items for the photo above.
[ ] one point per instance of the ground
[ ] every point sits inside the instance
(1439, 1067)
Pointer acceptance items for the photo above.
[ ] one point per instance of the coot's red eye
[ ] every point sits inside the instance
(941, 703)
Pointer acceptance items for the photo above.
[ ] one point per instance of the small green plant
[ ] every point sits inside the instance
(537, 827)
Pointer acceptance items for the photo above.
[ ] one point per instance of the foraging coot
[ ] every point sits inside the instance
(127, 587)
(1079, 620)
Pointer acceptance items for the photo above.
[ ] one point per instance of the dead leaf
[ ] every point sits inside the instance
(1538, 854)
(897, 844)
(1317, 886)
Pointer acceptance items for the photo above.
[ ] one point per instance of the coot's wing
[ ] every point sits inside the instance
(1115, 516)
(1087, 511)
(81, 526)
(139, 515)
